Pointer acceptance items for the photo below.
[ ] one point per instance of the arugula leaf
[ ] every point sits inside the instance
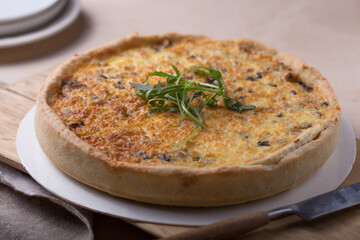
(174, 97)
(141, 87)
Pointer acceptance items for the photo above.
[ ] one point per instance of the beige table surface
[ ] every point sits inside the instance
(325, 33)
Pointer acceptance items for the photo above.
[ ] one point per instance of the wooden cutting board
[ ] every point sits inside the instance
(18, 98)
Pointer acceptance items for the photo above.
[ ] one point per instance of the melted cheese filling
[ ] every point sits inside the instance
(99, 105)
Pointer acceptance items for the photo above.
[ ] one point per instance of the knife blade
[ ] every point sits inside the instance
(321, 205)
(309, 209)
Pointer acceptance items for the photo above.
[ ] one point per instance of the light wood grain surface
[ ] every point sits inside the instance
(325, 33)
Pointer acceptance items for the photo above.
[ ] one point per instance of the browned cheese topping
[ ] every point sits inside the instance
(99, 105)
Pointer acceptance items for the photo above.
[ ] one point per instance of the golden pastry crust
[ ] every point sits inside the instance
(93, 126)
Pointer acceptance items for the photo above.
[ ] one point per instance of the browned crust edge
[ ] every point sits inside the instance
(184, 186)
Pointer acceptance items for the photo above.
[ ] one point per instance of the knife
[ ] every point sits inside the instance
(309, 209)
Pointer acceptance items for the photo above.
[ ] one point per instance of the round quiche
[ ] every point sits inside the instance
(93, 125)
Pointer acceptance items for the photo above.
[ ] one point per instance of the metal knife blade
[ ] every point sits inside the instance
(321, 205)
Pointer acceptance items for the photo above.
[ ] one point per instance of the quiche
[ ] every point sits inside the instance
(93, 125)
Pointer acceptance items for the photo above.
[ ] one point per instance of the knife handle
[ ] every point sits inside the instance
(225, 229)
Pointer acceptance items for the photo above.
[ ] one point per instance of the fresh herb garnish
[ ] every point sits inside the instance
(179, 92)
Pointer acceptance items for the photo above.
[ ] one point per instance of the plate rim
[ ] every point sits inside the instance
(31, 14)
(68, 15)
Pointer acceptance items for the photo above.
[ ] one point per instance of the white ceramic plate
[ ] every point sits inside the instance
(66, 17)
(18, 16)
(327, 178)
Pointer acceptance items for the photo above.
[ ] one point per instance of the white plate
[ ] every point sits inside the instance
(15, 10)
(18, 16)
(66, 17)
(327, 178)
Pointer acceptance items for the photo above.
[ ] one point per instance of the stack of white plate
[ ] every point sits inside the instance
(24, 21)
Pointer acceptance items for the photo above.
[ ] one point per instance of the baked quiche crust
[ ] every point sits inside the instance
(214, 180)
